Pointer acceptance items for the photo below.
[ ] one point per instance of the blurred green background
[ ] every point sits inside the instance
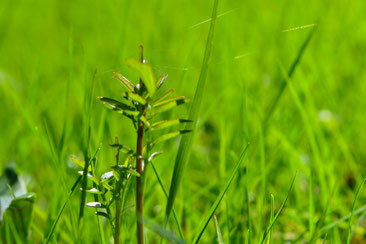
(50, 51)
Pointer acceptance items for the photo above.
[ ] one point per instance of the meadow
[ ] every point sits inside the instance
(276, 152)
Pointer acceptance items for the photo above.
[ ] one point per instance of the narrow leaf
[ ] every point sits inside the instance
(186, 142)
(134, 97)
(79, 162)
(218, 231)
(170, 105)
(161, 80)
(166, 195)
(124, 81)
(170, 136)
(179, 99)
(164, 95)
(102, 214)
(93, 178)
(168, 123)
(350, 225)
(278, 212)
(208, 217)
(114, 104)
(49, 235)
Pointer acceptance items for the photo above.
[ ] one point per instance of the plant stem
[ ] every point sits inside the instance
(118, 202)
(139, 180)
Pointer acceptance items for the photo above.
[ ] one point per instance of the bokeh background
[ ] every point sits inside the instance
(50, 52)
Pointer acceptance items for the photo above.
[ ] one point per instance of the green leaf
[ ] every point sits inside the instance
(170, 136)
(107, 186)
(50, 233)
(146, 72)
(124, 81)
(102, 214)
(114, 104)
(208, 217)
(271, 219)
(93, 178)
(123, 149)
(134, 97)
(278, 212)
(178, 99)
(79, 162)
(164, 95)
(168, 123)
(126, 170)
(166, 195)
(186, 142)
(95, 205)
(350, 225)
(170, 105)
(18, 214)
(218, 231)
(161, 80)
(290, 73)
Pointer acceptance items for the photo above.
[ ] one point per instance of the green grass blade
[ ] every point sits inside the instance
(290, 73)
(278, 212)
(350, 225)
(48, 238)
(186, 142)
(249, 220)
(208, 217)
(218, 231)
(180, 232)
(161, 231)
(345, 218)
(271, 219)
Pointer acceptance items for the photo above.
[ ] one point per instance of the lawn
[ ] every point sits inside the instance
(281, 81)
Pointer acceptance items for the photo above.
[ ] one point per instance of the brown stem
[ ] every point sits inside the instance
(139, 180)
(140, 187)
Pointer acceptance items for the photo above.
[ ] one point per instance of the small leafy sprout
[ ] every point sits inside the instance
(139, 103)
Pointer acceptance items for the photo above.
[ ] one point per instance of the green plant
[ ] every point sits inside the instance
(140, 103)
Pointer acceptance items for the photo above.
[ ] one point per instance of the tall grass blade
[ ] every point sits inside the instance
(271, 219)
(180, 232)
(290, 73)
(345, 218)
(218, 231)
(350, 225)
(186, 142)
(208, 217)
(49, 235)
(278, 212)
(161, 231)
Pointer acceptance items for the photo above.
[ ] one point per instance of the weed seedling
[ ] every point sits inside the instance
(140, 103)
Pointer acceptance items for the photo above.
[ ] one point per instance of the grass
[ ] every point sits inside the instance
(296, 94)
